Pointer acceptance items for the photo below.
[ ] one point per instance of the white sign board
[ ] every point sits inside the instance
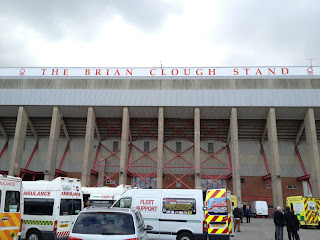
(155, 72)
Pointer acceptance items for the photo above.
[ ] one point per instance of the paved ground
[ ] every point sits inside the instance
(263, 229)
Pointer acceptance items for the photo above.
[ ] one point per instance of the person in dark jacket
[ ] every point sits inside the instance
(278, 222)
(248, 214)
(242, 213)
(291, 224)
(237, 217)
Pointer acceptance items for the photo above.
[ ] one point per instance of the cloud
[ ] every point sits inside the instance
(59, 19)
(269, 32)
(23, 23)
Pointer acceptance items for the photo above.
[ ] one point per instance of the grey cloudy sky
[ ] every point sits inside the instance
(139, 33)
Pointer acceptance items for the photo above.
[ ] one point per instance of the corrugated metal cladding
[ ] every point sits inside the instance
(251, 160)
(224, 98)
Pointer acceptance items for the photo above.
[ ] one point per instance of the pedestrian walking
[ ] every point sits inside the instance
(242, 213)
(278, 222)
(237, 218)
(289, 219)
(248, 214)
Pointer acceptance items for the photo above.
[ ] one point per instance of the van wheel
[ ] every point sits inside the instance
(185, 236)
(34, 235)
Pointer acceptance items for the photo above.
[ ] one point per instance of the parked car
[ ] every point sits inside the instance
(101, 223)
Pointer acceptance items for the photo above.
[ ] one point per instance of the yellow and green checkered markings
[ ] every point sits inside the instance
(33, 222)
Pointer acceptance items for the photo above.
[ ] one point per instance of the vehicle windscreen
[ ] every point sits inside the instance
(104, 223)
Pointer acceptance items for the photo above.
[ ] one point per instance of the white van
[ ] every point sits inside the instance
(10, 207)
(182, 213)
(104, 196)
(259, 208)
(50, 208)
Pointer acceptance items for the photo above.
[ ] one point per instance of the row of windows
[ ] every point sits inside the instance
(288, 186)
(150, 182)
(146, 147)
(38, 206)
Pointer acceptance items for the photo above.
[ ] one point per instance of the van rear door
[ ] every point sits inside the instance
(70, 205)
(218, 213)
(311, 211)
(10, 208)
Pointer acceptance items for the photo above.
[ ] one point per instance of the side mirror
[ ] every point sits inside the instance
(148, 228)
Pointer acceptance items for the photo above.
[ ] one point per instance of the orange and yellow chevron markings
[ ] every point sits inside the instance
(13, 221)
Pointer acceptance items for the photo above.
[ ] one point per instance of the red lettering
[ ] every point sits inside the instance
(107, 72)
(55, 72)
(162, 72)
(176, 72)
(116, 73)
(197, 71)
(65, 72)
(151, 72)
(185, 72)
(212, 71)
(247, 70)
(235, 71)
(129, 72)
(270, 71)
(44, 70)
(258, 71)
(285, 71)
(87, 72)
(98, 72)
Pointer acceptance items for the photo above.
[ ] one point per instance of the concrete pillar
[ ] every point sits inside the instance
(234, 148)
(101, 175)
(88, 148)
(197, 162)
(274, 159)
(312, 143)
(160, 148)
(53, 145)
(124, 146)
(18, 142)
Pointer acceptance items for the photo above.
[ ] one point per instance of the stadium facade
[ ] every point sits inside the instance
(253, 130)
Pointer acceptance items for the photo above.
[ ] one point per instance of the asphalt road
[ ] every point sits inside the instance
(263, 229)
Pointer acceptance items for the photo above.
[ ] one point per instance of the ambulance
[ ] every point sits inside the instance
(11, 203)
(182, 214)
(104, 196)
(307, 210)
(50, 208)
(234, 201)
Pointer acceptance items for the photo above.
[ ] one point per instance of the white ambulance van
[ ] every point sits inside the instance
(259, 208)
(182, 214)
(50, 208)
(11, 203)
(104, 196)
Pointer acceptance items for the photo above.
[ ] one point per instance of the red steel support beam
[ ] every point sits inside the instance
(306, 175)
(268, 176)
(25, 170)
(58, 170)
(227, 173)
(3, 149)
(132, 164)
